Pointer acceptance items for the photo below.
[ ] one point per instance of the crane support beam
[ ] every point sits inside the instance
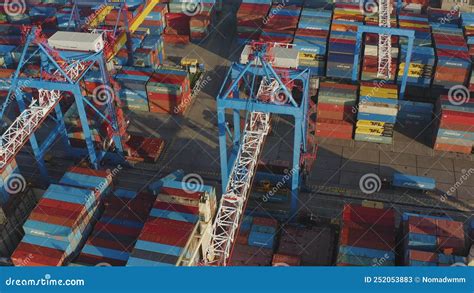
(410, 34)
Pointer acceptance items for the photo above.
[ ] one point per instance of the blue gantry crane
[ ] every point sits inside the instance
(269, 93)
(61, 72)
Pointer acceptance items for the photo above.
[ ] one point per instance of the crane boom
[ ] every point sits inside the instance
(233, 200)
(385, 44)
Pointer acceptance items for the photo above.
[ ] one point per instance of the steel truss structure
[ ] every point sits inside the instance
(59, 74)
(385, 41)
(362, 29)
(269, 94)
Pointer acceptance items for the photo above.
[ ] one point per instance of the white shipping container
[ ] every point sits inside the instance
(378, 110)
(76, 41)
(283, 57)
(371, 50)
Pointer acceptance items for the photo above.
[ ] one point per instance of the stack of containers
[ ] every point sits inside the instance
(335, 110)
(378, 109)
(262, 233)
(432, 241)
(133, 92)
(367, 237)
(63, 218)
(454, 63)
(255, 241)
(170, 225)
(305, 246)
(250, 19)
(118, 16)
(244, 230)
(342, 40)
(422, 61)
(63, 17)
(177, 28)
(280, 24)
(468, 25)
(245, 255)
(169, 91)
(414, 113)
(116, 231)
(154, 43)
(199, 24)
(44, 15)
(144, 149)
(311, 39)
(9, 172)
(454, 132)
(155, 20)
(75, 132)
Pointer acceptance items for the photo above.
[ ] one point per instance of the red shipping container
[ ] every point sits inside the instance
(370, 216)
(448, 228)
(176, 207)
(285, 260)
(422, 256)
(265, 222)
